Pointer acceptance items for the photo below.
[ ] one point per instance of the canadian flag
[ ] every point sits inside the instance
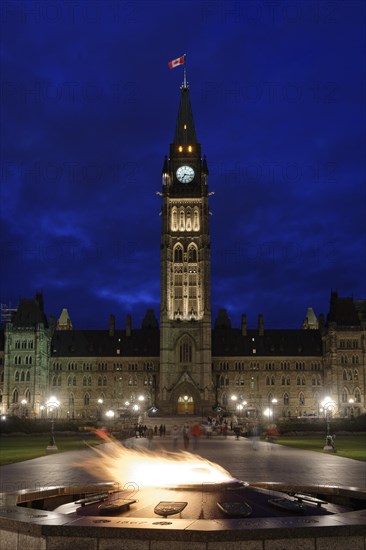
(176, 62)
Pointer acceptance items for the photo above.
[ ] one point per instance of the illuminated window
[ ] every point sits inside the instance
(190, 148)
(185, 126)
(180, 148)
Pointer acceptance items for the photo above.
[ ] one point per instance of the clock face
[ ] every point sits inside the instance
(185, 174)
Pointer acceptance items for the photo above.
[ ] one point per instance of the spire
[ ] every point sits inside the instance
(185, 133)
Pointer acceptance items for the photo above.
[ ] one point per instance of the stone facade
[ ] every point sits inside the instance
(184, 366)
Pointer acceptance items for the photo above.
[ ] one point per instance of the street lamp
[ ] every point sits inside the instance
(274, 401)
(52, 405)
(100, 410)
(328, 407)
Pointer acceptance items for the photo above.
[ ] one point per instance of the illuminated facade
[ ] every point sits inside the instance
(188, 364)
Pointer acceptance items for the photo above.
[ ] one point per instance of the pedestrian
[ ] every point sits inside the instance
(161, 430)
(254, 436)
(149, 435)
(196, 433)
(186, 436)
(175, 435)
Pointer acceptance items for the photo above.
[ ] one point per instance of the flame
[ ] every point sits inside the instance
(153, 469)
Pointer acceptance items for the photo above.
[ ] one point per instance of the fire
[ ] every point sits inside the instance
(153, 469)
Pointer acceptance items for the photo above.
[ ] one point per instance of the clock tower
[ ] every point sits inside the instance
(185, 384)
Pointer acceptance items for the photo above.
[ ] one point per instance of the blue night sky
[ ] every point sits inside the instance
(89, 107)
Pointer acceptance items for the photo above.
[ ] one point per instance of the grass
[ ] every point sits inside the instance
(349, 446)
(16, 448)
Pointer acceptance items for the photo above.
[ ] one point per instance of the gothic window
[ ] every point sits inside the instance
(89, 380)
(15, 396)
(192, 254)
(104, 381)
(268, 381)
(355, 359)
(86, 399)
(301, 399)
(188, 220)
(22, 377)
(298, 381)
(288, 382)
(303, 381)
(181, 220)
(344, 375)
(28, 396)
(273, 381)
(16, 376)
(196, 220)
(178, 254)
(24, 344)
(344, 396)
(174, 223)
(286, 400)
(355, 375)
(350, 377)
(357, 396)
(17, 344)
(185, 350)
(27, 377)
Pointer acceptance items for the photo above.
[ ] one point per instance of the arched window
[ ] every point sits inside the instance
(355, 374)
(28, 395)
(273, 381)
(303, 381)
(22, 376)
(86, 399)
(89, 380)
(298, 381)
(15, 396)
(178, 254)
(355, 359)
(268, 381)
(357, 395)
(185, 350)
(188, 220)
(104, 381)
(192, 254)
(350, 376)
(27, 376)
(196, 220)
(174, 223)
(286, 400)
(181, 220)
(16, 376)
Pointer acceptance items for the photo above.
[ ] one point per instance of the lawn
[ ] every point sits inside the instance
(16, 448)
(349, 446)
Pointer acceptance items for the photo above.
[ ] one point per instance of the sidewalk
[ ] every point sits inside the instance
(270, 462)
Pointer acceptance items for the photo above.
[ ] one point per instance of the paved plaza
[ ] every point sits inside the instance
(269, 462)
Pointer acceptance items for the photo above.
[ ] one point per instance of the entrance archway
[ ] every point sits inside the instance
(185, 404)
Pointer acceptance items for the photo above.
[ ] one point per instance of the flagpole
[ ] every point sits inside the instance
(184, 72)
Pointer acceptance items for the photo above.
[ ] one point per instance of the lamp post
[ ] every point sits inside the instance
(52, 405)
(100, 408)
(328, 407)
(274, 401)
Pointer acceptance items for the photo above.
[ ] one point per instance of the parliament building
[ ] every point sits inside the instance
(186, 363)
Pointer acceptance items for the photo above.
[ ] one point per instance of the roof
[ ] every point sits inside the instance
(185, 132)
(98, 343)
(273, 343)
(30, 313)
(342, 311)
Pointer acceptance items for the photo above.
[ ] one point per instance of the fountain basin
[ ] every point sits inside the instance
(40, 519)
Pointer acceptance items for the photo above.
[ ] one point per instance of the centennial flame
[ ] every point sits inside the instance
(153, 469)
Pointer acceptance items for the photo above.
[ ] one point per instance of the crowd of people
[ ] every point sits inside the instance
(188, 434)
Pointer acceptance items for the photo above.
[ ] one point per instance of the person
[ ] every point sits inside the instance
(161, 430)
(254, 435)
(186, 436)
(175, 435)
(196, 433)
(149, 435)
